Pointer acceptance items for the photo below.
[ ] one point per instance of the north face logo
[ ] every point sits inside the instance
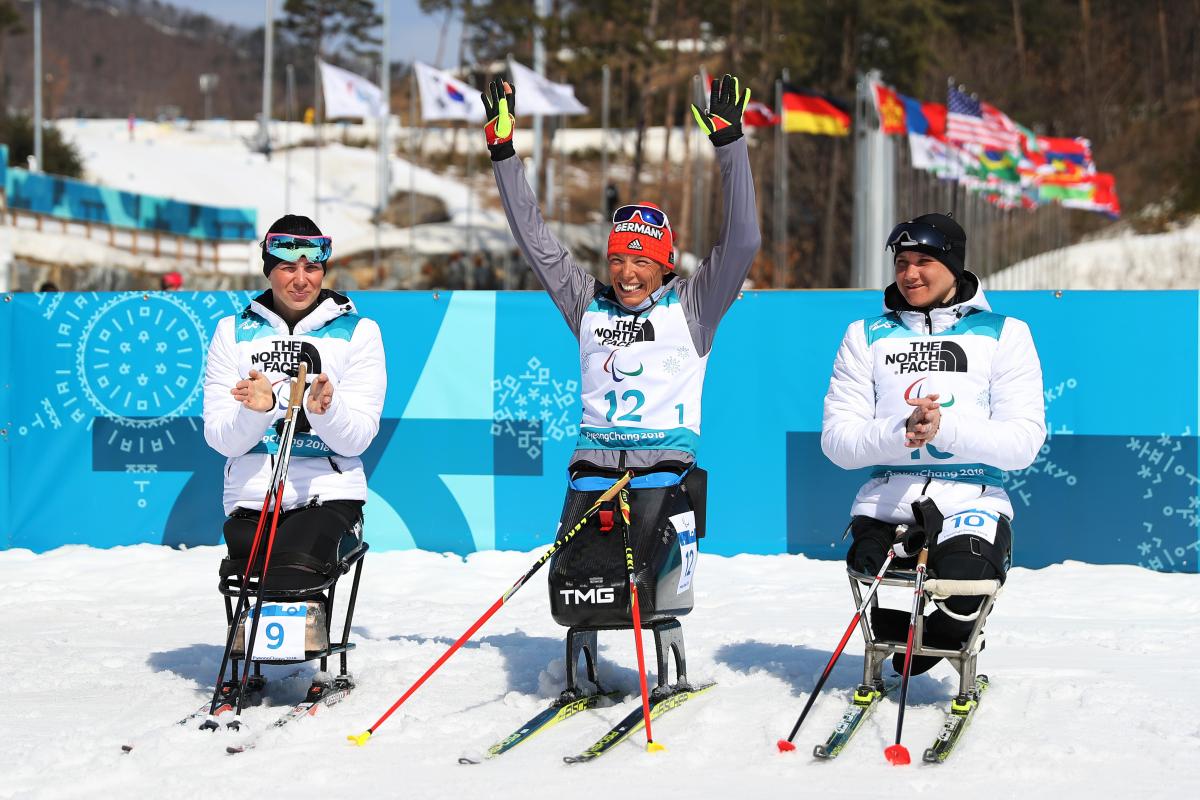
(636, 244)
(935, 356)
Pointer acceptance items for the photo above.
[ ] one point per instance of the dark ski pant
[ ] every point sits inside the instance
(309, 542)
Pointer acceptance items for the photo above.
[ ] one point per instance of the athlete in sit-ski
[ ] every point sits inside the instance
(251, 361)
(644, 341)
(939, 396)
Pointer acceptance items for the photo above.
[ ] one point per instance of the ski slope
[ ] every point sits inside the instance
(1090, 665)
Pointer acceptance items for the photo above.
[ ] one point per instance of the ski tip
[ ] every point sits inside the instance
(360, 739)
(897, 755)
(654, 747)
(785, 746)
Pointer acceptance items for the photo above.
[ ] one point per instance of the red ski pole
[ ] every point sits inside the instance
(360, 739)
(897, 753)
(274, 490)
(785, 745)
(651, 745)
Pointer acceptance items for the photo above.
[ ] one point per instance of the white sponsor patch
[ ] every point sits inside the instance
(972, 522)
(689, 552)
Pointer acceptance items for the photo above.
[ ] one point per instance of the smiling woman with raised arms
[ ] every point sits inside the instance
(644, 342)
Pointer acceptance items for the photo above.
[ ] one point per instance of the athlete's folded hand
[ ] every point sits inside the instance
(320, 395)
(254, 392)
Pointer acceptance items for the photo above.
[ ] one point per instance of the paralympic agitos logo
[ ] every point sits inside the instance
(618, 374)
(915, 389)
(922, 356)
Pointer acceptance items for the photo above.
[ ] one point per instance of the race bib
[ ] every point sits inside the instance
(689, 552)
(280, 632)
(972, 522)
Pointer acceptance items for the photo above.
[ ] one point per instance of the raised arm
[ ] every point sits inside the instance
(569, 286)
(712, 288)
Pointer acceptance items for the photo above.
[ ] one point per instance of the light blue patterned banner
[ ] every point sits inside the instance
(103, 442)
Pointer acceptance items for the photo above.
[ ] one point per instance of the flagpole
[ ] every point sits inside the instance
(268, 46)
(412, 182)
(779, 238)
(287, 143)
(606, 87)
(317, 139)
(541, 10)
(383, 173)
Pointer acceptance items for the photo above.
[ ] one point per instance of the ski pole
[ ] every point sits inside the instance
(929, 517)
(785, 745)
(278, 475)
(285, 458)
(897, 753)
(360, 739)
(623, 501)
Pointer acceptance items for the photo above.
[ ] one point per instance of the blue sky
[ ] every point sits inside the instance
(413, 34)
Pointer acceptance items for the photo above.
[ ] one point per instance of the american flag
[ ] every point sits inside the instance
(969, 122)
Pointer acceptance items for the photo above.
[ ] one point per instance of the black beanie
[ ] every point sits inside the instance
(956, 259)
(294, 224)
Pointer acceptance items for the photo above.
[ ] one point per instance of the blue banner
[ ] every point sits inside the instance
(66, 198)
(103, 442)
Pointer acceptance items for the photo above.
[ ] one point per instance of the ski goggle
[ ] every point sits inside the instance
(290, 247)
(653, 217)
(913, 234)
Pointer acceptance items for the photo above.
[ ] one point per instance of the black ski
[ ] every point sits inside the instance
(958, 719)
(635, 721)
(553, 714)
(865, 701)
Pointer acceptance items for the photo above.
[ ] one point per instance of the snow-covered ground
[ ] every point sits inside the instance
(1091, 670)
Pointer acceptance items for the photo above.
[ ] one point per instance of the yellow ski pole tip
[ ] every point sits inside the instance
(654, 747)
(360, 739)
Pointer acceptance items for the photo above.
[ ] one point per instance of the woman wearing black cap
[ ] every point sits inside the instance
(938, 396)
(251, 359)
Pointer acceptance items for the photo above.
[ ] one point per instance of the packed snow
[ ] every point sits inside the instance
(1091, 670)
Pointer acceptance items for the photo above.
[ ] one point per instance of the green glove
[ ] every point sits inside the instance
(499, 110)
(722, 120)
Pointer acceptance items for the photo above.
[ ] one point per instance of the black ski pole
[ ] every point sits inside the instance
(785, 745)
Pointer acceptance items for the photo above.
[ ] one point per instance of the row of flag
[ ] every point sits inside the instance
(966, 139)
(980, 146)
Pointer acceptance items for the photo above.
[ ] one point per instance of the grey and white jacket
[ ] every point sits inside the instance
(642, 369)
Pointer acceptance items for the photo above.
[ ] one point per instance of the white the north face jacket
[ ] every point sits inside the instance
(988, 377)
(325, 463)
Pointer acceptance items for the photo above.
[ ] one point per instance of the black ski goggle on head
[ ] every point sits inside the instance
(913, 234)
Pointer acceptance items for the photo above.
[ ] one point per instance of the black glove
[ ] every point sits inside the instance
(722, 121)
(910, 542)
(500, 110)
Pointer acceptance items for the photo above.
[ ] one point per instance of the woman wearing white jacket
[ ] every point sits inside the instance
(251, 361)
(939, 396)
